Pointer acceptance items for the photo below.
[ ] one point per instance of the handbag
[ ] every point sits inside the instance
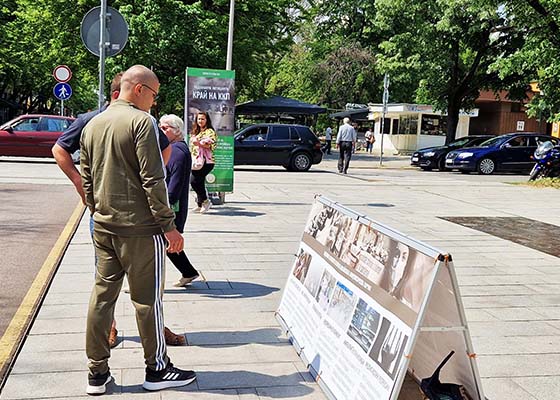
(435, 390)
(198, 162)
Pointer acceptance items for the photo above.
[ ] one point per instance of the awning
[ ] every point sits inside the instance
(278, 104)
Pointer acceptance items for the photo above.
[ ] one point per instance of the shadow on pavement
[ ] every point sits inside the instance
(225, 289)
(223, 382)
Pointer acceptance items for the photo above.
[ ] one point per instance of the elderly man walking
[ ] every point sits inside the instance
(124, 185)
(345, 141)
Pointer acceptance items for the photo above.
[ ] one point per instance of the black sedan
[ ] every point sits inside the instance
(295, 147)
(434, 157)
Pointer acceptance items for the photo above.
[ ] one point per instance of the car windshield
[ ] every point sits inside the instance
(459, 142)
(492, 142)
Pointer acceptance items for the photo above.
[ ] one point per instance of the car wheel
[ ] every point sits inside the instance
(300, 162)
(441, 164)
(486, 166)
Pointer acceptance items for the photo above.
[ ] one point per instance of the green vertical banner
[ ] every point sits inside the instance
(213, 91)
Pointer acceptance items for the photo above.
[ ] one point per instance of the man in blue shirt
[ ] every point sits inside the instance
(345, 141)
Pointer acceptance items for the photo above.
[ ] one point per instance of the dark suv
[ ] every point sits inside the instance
(295, 147)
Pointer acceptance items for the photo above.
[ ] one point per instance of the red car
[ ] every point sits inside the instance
(32, 135)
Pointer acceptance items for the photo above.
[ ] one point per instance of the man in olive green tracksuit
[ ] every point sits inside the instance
(124, 183)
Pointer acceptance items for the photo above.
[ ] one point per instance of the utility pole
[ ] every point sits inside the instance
(385, 101)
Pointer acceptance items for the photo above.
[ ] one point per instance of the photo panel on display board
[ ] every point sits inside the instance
(388, 347)
(320, 223)
(314, 274)
(364, 325)
(341, 306)
(303, 259)
(326, 290)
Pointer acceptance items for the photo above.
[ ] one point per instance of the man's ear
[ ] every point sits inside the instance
(115, 95)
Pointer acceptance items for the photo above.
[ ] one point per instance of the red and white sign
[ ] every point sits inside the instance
(62, 73)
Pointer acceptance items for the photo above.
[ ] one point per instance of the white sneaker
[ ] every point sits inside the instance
(185, 281)
(206, 204)
(197, 209)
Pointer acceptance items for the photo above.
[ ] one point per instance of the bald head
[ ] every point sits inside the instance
(140, 86)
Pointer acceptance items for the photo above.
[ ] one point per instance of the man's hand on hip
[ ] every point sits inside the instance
(175, 241)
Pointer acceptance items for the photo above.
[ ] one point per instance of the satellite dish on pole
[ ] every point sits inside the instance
(116, 31)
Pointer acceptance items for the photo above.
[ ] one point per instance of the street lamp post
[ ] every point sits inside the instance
(230, 35)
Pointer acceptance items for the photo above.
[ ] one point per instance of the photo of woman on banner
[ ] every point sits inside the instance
(414, 283)
(395, 266)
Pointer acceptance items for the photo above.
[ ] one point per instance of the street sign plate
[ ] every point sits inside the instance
(62, 91)
(116, 31)
(62, 73)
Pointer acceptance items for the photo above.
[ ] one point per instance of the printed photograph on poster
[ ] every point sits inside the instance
(326, 290)
(314, 274)
(341, 305)
(320, 222)
(411, 287)
(341, 232)
(303, 259)
(364, 325)
(372, 256)
(216, 97)
(388, 347)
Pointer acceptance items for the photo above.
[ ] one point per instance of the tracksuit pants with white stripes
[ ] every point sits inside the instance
(142, 260)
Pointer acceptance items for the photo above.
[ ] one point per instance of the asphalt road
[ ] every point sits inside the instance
(32, 217)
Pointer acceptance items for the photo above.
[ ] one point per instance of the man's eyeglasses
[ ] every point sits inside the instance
(155, 94)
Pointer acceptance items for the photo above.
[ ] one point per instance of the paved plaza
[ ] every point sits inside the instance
(245, 250)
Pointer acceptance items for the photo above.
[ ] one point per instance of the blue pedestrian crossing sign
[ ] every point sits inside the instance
(62, 91)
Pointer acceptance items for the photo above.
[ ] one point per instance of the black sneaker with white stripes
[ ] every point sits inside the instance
(97, 383)
(167, 378)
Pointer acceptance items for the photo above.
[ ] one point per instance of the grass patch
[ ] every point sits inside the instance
(545, 182)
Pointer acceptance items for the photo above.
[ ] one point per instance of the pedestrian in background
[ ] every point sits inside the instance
(328, 140)
(124, 185)
(203, 142)
(345, 141)
(178, 177)
(369, 140)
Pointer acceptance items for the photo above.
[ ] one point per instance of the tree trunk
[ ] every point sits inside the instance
(453, 108)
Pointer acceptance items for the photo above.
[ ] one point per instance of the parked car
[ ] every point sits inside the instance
(32, 135)
(434, 157)
(295, 147)
(510, 152)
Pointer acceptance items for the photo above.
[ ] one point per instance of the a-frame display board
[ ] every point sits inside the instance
(364, 304)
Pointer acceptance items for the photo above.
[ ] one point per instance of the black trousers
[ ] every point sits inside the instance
(182, 263)
(198, 182)
(345, 149)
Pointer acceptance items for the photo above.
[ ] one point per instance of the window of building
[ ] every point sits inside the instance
(433, 125)
(408, 124)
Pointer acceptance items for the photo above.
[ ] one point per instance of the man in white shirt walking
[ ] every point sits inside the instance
(345, 141)
(328, 139)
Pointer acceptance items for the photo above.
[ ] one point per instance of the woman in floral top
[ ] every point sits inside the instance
(202, 144)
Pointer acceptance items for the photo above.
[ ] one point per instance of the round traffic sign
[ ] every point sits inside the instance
(62, 73)
(62, 91)
(116, 31)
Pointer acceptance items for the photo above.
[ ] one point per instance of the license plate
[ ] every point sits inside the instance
(414, 159)
(449, 161)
